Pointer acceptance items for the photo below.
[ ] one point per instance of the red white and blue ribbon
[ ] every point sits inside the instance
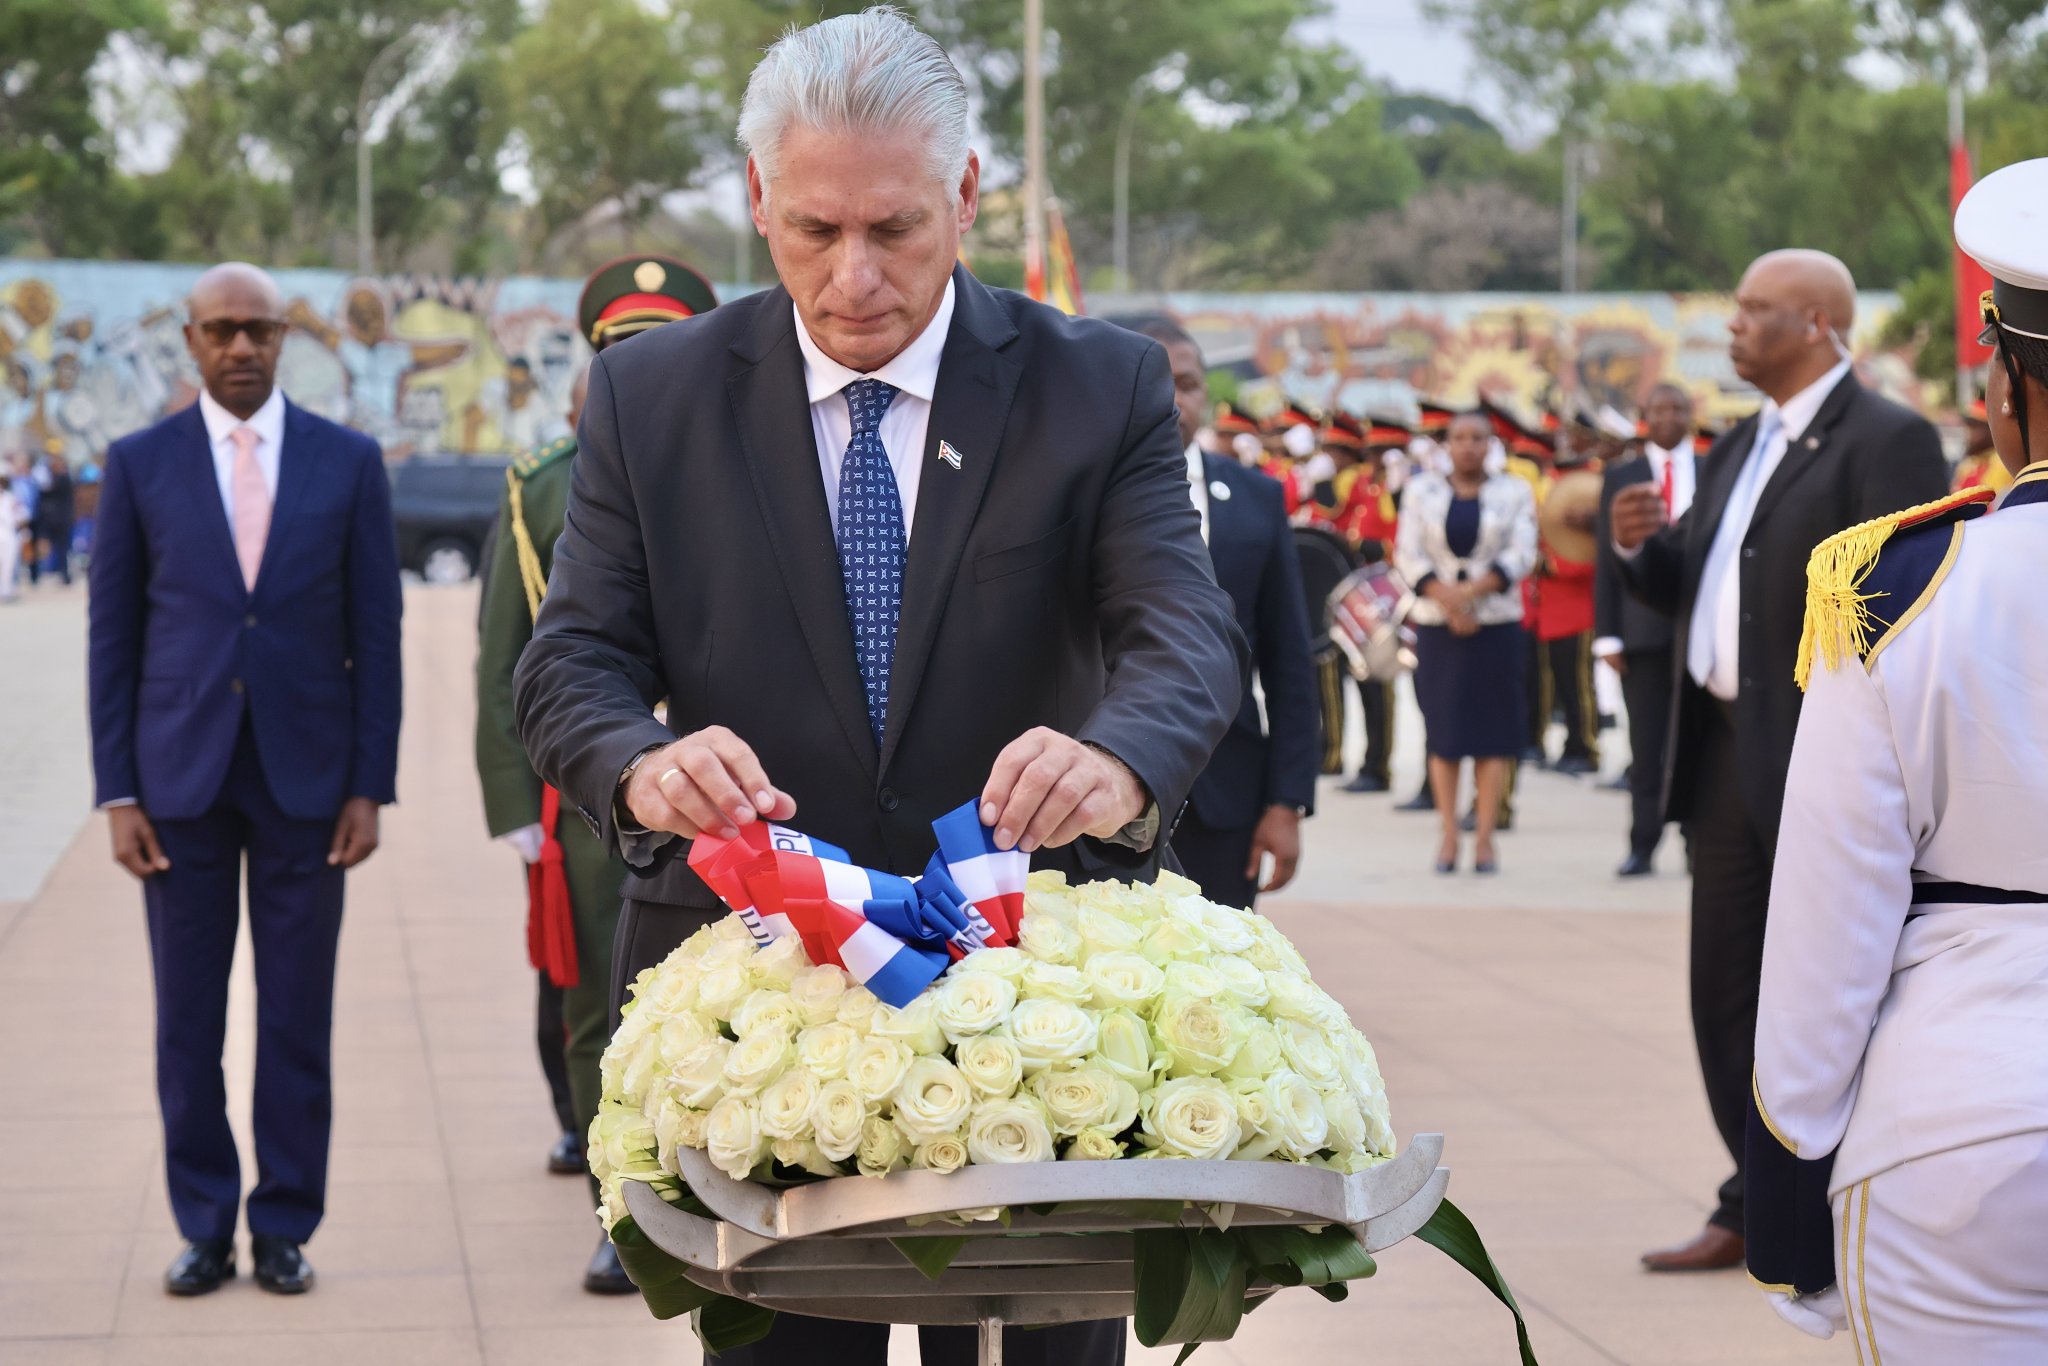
(895, 935)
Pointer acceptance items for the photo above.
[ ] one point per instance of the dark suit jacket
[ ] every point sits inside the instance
(1863, 456)
(1617, 614)
(1275, 761)
(1056, 578)
(180, 650)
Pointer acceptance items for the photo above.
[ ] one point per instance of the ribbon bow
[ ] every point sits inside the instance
(894, 934)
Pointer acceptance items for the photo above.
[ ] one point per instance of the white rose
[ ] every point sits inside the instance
(1307, 1050)
(674, 990)
(1230, 930)
(1013, 1130)
(1103, 931)
(1124, 1045)
(1053, 982)
(1119, 981)
(1242, 982)
(625, 1041)
(680, 1036)
(802, 1153)
(858, 1006)
(823, 1050)
(1093, 1145)
(1347, 1122)
(1048, 1032)
(946, 1154)
(1174, 938)
(730, 929)
(1200, 1036)
(991, 1064)
(778, 962)
(1049, 939)
(785, 1104)
(838, 1115)
(916, 1025)
(1085, 1098)
(699, 1080)
(1379, 1126)
(1193, 979)
(722, 988)
(765, 1008)
(817, 993)
(732, 1137)
(1253, 1121)
(1273, 942)
(640, 1068)
(972, 1003)
(933, 1100)
(756, 1060)
(1192, 1117)
(1260, 1056)
(1291, 996)
(1295, 1116)
(882, 1149)
(668, 1126)
(999, 961)
(876, 1068)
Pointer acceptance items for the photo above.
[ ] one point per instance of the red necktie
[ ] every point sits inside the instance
(1670, 485)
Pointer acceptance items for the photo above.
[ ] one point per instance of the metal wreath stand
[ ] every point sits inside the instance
(822, 1249)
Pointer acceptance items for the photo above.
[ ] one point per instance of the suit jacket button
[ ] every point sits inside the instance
(886, 799)
(235, 685)
(1749, 552)
(249, 620)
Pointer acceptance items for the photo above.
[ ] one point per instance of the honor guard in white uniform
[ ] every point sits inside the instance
(1898, 1146)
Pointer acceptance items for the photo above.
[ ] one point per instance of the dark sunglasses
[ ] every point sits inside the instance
(221, 331)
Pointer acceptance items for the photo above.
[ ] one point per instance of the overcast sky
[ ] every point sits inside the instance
(1406, 50)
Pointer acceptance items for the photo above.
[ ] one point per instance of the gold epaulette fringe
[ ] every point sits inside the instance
(1837, 621)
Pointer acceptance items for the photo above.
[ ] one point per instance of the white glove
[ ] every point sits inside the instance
(525, 841)
(1818, 1315)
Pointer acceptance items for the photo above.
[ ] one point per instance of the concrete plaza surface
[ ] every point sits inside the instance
(1536, 1018)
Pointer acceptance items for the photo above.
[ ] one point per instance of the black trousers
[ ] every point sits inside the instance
(1215, 860)
(551, 1034)
(795, 1341)
(1566, 687)
(1731, 894)
(647, 934)
(1377, 698)
(1646, 694)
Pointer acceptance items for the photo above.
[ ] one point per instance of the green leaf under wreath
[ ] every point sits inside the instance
(1451, 1232)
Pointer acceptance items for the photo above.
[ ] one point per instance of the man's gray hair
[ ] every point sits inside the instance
(867, 73)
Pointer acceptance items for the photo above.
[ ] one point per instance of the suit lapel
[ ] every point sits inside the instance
(197, 476)
(1713, 480)
(970, 406)
(1802, 454)
(771, 410)
(297, 465)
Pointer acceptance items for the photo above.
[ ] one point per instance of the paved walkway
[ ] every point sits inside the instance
(1537, 1018)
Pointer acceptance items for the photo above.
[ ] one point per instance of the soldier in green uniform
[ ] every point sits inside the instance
(572, 882)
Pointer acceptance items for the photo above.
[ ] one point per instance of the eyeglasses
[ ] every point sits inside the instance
(221, 331)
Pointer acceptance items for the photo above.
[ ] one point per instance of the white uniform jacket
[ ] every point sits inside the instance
(1507, 542)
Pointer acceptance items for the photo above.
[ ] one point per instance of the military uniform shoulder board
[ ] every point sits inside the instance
(540, 457)
(1865, 584)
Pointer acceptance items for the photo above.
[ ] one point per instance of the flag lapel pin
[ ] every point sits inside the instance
(950, 456)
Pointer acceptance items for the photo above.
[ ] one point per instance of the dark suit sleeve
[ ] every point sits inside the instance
(375, 605)
(1909, 470)
(1653, 576)
(1294, 720)
(586, 686)
(1607, 588)
(117, 610)
(1175, 656)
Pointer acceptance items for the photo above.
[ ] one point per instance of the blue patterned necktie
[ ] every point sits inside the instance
(871, 544)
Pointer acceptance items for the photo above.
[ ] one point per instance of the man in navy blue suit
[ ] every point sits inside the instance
(1241, 833)
(245, 704)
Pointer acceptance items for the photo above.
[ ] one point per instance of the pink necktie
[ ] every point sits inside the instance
(252, 505)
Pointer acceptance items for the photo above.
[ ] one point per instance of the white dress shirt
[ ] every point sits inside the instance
(1198, 485)
(268, 424)
(914, 373)
(1717, 612)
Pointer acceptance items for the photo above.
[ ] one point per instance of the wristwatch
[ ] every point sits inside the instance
(622, 816)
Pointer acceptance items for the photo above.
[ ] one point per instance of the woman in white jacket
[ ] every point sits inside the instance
(1467, 539)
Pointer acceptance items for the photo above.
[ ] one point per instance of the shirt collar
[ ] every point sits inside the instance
(1660, 456)
(267, 420)
(1197, 468)
(914, 371)
(1797, 413)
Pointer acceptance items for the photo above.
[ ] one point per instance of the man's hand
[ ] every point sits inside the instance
(707, 783)
(1049, 789)
(1615, 660)
(1637, 514)
(135, 846)
(1279, 834)
(355, 833)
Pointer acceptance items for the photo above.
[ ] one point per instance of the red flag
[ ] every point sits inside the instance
(1971, 279)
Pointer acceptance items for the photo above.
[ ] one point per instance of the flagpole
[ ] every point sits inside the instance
(1034, 136)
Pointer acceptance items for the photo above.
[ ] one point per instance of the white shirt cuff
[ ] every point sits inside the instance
(118, 801)
(1626, 553)
(1607, 645)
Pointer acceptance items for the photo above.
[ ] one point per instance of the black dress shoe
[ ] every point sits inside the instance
(1421, 801)
(1635, 865)
(280, 1267)
(1535, 757)
(201, 1267)
(1574, 766)
(604, 1275)
(1366, 782)
(566, 1157)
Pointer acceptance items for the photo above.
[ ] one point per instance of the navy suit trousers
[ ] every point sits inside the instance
(294, 926)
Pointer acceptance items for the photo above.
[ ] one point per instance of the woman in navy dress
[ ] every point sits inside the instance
(1466, 541)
